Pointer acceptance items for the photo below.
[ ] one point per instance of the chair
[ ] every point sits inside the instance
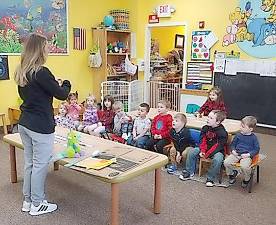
(255, 166)
(3, 117)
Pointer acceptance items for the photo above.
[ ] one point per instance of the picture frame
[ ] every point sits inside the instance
(4, 67)
(179, 41)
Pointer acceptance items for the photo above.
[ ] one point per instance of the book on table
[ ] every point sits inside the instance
(95, 163)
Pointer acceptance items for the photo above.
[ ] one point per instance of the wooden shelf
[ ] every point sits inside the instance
(119, 31)
(120, 54)
(194, 92)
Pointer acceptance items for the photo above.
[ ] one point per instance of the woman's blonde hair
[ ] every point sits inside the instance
(33, 57)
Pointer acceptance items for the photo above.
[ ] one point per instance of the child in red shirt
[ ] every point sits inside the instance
(106, 116)
(214, 102)
(160, 128)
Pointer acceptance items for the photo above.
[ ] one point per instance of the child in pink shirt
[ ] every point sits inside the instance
(73, 108)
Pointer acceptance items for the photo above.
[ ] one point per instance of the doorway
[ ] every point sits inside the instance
(165, 62)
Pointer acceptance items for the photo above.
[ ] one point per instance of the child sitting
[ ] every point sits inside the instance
(90, 115)
(74, 108)
(62, 119)
(182, 141)
(106, 116)
(160, 128)
(214, 102)
(213, 139)
(244, 147)
(141, 127)
(122, 126)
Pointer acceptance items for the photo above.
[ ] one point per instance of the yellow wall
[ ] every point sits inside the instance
(74, 67)
(215, 13)
(166, 37)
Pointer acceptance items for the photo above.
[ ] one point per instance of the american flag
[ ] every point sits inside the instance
(79, 38)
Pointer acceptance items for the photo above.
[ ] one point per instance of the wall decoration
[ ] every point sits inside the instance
(200, 72)
(4, 68)
(79, 38)
(199, 50)
(253, 28)
(19, 18)
(179, 41)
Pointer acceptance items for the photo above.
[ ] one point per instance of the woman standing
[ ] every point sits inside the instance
(37, 87)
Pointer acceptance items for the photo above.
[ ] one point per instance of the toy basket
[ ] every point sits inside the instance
(121, 17)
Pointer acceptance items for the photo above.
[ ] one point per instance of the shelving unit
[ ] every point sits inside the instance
(107, 71)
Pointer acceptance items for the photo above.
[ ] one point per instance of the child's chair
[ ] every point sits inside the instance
(3, 117)
(254, 165)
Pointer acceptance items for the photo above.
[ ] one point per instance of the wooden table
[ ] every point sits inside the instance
(231, 126)
(153, 161)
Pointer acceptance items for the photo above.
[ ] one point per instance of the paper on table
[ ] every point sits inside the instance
(95, 163)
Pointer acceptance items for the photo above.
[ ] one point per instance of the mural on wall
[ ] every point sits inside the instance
(253, 28)
(19, 18)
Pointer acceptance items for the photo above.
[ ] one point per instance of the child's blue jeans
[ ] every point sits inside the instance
(140, 142)
(214, 169)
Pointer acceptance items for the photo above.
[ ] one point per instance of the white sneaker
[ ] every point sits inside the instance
(42, 208)
(210, 183)
(26, 206)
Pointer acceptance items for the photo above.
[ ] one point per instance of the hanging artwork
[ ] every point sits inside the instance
(199, 50)
(253, 28)
(19, 18)
(4, 68)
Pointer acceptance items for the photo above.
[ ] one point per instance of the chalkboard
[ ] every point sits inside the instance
(249, 94)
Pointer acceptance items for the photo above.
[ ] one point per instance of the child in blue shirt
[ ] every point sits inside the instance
(244, 147)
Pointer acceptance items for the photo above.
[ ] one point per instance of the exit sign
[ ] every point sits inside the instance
(164, 10)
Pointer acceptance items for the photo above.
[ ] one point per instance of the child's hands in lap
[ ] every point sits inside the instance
(245, 155)
(235, 153)
(202, 155)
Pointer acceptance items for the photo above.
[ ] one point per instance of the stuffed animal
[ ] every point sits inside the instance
(73, 149)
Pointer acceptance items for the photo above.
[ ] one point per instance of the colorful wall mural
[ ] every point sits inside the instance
(253, 28)
(19, 18)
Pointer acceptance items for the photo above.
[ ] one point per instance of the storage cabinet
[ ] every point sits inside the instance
(114, 46)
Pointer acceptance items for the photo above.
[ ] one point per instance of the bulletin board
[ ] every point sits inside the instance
(19, 18)
(199, 51)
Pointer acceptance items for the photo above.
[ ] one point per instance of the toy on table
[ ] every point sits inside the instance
(73, 149)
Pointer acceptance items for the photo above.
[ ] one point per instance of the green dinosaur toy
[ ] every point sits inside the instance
(73, 149)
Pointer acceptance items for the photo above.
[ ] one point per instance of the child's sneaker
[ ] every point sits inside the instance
(172, 169)
(26, 206)
(42, 208)
(186, 175)
(209, 183)
(244, 183)
(232, 178)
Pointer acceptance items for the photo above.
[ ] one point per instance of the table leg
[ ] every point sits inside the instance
(157, 191)
(56, 166)
(13, 164)
(114, 204)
